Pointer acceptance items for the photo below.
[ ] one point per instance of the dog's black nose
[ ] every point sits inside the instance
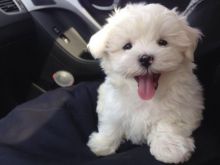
(146, 60)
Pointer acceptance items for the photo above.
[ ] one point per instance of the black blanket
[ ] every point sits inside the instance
(54, 128)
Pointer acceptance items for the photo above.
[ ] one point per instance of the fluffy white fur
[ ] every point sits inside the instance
(166, 121)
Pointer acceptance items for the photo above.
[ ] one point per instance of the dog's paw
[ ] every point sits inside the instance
(172, 148)
(101, 145)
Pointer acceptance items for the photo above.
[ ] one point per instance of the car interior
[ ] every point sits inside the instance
(38, 38)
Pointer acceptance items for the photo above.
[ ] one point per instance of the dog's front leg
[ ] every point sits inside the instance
(106, 140)
(168, 144)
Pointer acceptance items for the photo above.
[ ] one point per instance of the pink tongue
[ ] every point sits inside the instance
(146, 86)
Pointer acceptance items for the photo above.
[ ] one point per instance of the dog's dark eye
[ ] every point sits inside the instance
(162, 42)
(127, 46)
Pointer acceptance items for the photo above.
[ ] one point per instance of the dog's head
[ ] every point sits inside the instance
(143, 41)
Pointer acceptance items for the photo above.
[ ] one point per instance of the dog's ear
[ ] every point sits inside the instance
(193, 35)
(98, 43)
(189, 36)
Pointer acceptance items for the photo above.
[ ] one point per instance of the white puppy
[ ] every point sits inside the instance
(150, 94)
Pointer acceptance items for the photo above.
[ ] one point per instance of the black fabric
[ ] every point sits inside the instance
(54, 128)
(51, 129)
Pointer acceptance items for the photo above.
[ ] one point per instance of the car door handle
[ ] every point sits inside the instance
(107, 8)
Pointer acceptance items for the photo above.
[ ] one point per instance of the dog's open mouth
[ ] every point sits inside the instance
(147, 85)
